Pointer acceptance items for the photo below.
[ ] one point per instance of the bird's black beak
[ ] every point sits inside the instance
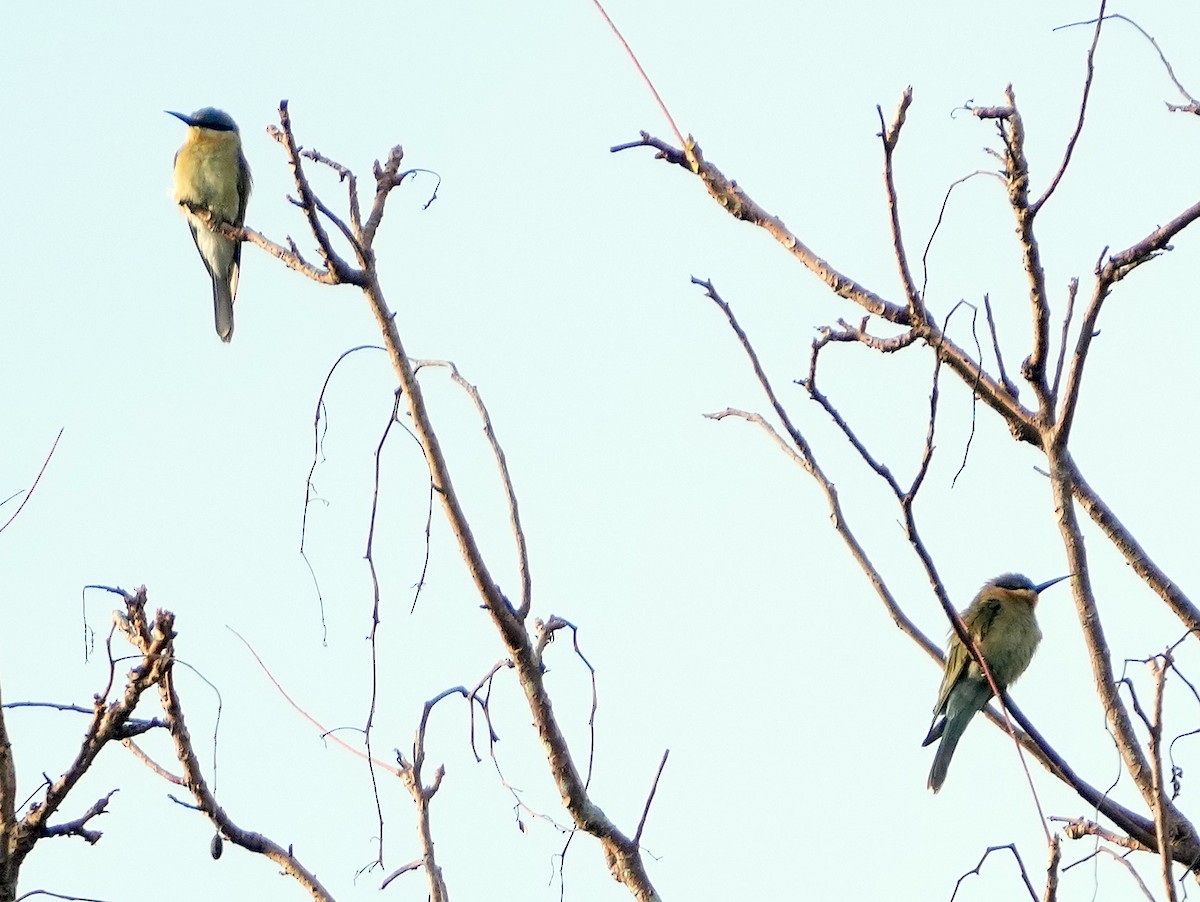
(1047, 585)
(187, 119)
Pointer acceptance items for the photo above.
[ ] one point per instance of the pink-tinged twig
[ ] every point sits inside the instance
(642, 72)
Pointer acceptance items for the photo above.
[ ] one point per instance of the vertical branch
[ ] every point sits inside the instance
(1161, 809)
(890, 137)
(510, 493)
(622, 855)
(8, 805)
(1009, 385)
(1052, 870)
(1016, 172)
(1087, 90)
(1063, 473)
(1072, 291)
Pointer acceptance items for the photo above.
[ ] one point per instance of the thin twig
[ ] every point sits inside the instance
(392, 769)
(373, 636)
(1087, 90)
(1161, 808)
(975, 871)
(1193, 104)
(642, 72)
(510, 493)
(36, 480)
(1004, 379)
(940, 218)
(422, 794)
(891, 137)
(1072, 291)
(637, 836)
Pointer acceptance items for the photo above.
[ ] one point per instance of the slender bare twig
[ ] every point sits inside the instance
(390, 768)
(642, 72)
(907, 499)
(1125, 863)
(422, 794)
(891, 137)
(970, 441)
(1162, 806)
(484, 706)
(1016, 173)
(1087, 90)
(133, 726)
(941, 218)
(373, 635)
(975, 871)
(545, 634)
(1117, 267)
(36, 480)
(321, 418)
(637, 836)
(1004, 379)
(1072, 291)
(344, 175)
(801, 453)
(411, 866)
(510, 493)
(1193, 105)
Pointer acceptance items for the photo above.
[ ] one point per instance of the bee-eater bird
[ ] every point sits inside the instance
(1001, 621)
(211, 172)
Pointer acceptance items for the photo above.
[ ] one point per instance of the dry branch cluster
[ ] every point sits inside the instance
(525, 641)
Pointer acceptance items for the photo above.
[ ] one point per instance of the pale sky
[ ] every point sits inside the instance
(724, 617)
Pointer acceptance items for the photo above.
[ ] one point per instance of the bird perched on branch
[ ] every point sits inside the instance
(211, 173)
(1001, 621)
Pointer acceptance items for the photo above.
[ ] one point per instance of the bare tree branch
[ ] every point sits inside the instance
(1087, 90)
(33, 487)
(622, 854)
(78, 826)
(514, 515)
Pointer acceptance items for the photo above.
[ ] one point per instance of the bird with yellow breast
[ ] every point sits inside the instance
(211, 173)
(1001, 621)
